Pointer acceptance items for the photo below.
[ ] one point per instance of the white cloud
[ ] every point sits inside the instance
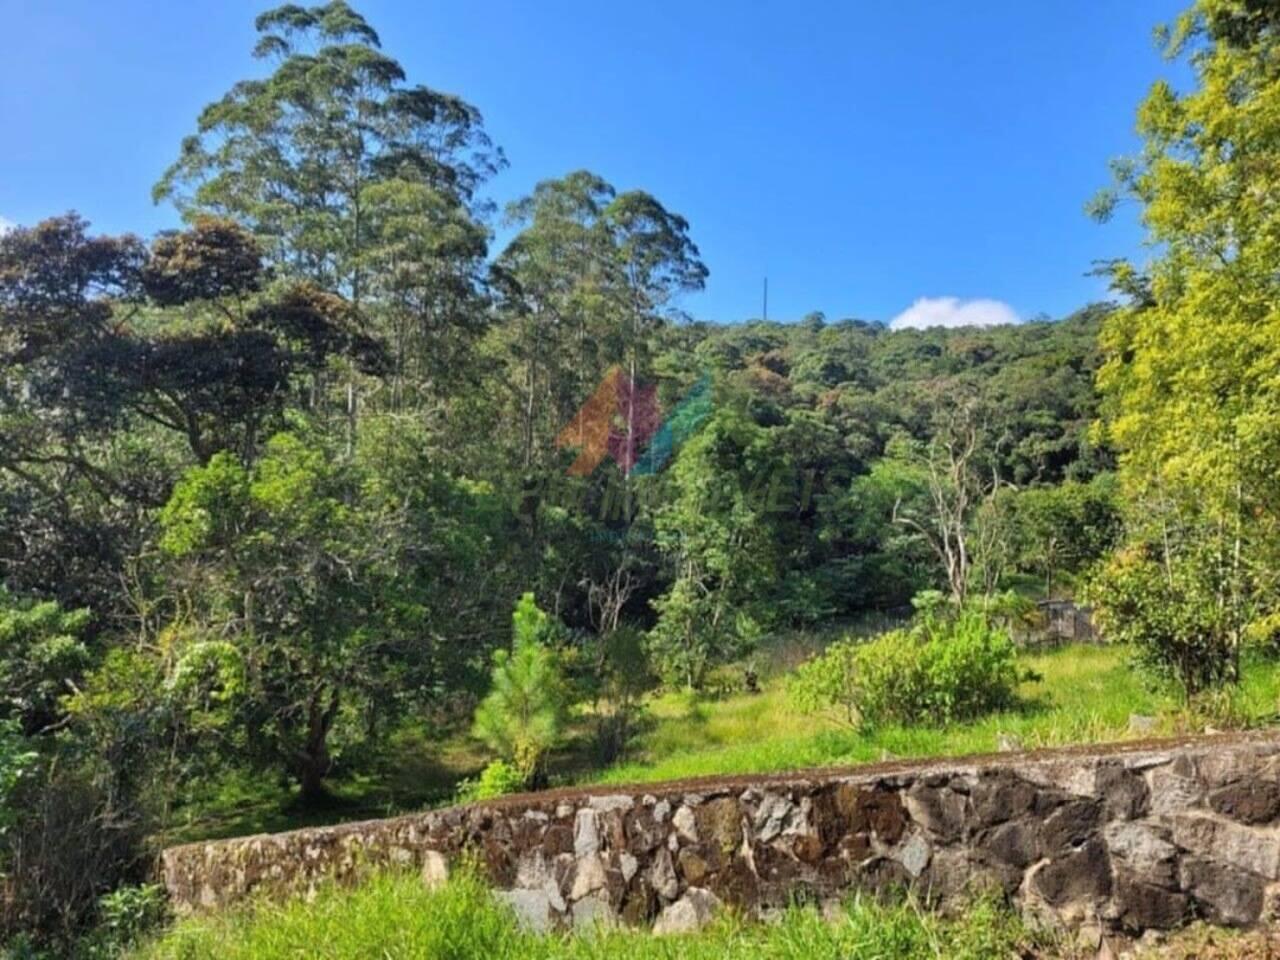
(6, 226)
(953, 312)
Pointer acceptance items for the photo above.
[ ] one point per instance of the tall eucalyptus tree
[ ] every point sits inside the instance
(352, 179)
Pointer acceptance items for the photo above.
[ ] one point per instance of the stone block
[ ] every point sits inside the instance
(940, 810)
(1144, 851)
(691, 912)
(588, 877)
(1001, 796)
(586, 833)
(1078, 876)
(1249, 848)
(1124, 792)
(1139, 906)
(1249, 801)
(1225, 894)
(686, 825)
(593, 912)
(531, 907)
(719, 824)
(1175, 788)
(435, 870)
(1070, 825)
(1016, 843)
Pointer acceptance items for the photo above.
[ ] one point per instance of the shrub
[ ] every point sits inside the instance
(623, 677)
(829, 683)
(1171, 615)
(971, 669)
(498, 779)
(41, 651)
(939, 671)
(127, 914)
(69, 845)
(16, 760)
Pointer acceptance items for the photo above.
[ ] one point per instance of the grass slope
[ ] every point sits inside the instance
(1086, 695)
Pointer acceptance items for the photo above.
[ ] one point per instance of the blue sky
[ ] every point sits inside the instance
(862, 155)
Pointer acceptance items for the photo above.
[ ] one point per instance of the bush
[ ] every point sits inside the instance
(127, 914)
(829, 682)
(939, 671)
(69, 845)
(16, 760)
(623, 677)
(498, 779)
(1172, 617)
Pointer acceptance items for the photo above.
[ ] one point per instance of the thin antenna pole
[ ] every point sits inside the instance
(766, 299)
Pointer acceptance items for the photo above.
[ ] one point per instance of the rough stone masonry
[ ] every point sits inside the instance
(1123, 839)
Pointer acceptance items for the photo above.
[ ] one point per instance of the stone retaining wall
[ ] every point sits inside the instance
(1119, 839)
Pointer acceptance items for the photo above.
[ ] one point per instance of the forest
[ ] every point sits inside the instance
(328, 476)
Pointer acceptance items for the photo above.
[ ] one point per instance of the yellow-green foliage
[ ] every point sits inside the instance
(1189, 382)
(497, 779)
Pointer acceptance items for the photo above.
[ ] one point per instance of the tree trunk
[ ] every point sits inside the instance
(311, 773)
(312, 761)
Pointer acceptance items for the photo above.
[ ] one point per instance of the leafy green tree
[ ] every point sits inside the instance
(329, 147)
(1189, 392)
(182, 336)
(1062, 530)
(588, 277)
(873, 562)
(17, 759)
(728, 484)
(1170, 616)
(43, 653)
(362, 185)
(297, 570)
(68, 493)
(522, 717)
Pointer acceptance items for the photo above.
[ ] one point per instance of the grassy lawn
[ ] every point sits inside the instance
(1086, 695)
(392, 917)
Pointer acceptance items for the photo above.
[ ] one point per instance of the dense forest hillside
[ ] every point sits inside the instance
(249, 526)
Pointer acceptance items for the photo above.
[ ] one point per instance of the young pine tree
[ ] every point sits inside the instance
(523, 715)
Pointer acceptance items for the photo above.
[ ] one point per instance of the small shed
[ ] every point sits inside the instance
(1068, 622)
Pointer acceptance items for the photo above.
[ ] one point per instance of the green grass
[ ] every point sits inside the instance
(1087, 695)
(392, 917)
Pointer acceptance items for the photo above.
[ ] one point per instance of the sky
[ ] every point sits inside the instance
(914, 162)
